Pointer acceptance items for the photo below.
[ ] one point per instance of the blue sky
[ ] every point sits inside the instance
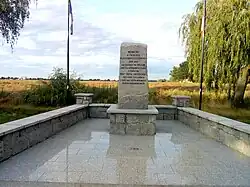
(99, 29)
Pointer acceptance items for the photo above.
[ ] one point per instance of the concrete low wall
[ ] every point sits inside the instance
(19, 135)
(98, 110)
(22, 134)
(234, 134)
(166, 112)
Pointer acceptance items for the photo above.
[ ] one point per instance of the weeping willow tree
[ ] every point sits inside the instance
(227, 46)
(13, 14)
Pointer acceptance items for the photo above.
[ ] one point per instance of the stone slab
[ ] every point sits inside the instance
(165, 106)
(133, 76)
(98, 111)
(181, 101)
(84, 98)
(133, 124)
(176, 156)
(181, 97)
(114, 109)
(243, 127)
(39, 118)
(84, 94)
(234, 134)
(100, 105)
(19, 135)
(166, 112)
(132, 121)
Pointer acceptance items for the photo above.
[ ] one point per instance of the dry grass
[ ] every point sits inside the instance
(164, 88)
(18, 85)
(161, 93)
(22, 85)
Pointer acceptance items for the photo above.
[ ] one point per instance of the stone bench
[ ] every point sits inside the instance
(16, 136)
(232, 133)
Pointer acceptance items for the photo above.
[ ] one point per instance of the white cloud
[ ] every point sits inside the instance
(98, 33)
(61, 51)
(4, 52)
(26, 42)
(85, 45)
(52, 36)
(163, 42)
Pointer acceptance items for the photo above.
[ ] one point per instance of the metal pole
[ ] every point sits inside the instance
(68, 85)
(67, 94)
(202, 50)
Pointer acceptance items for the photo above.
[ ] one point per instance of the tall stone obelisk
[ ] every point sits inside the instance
(133, 77)
(132, 115)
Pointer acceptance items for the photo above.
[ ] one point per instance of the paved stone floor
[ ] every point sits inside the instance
(87, 153)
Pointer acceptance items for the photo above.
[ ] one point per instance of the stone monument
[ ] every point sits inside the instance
(133, 78)
(132, 115)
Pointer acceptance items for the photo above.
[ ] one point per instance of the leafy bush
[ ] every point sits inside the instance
(52, 93)
(101, 94)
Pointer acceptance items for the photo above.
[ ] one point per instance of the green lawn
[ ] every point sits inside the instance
(240, 114)
(11, 113)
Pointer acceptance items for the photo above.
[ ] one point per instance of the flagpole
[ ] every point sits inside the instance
(202, 50)
(68, 85)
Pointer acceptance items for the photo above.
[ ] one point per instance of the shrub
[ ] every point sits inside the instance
(52, 93)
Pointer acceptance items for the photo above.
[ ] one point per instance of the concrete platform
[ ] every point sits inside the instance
(138, 122)
(87, 154)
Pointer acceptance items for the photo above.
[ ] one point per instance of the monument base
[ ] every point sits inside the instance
(139, 122)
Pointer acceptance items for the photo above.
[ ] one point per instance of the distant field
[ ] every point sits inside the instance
(11, 101)
(18, 85)
(22, 85)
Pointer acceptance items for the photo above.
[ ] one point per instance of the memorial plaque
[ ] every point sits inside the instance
(132, 115)
(133, 78)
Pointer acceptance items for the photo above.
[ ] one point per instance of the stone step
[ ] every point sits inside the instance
(64, 184)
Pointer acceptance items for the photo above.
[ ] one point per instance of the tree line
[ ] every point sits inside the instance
(227, 47)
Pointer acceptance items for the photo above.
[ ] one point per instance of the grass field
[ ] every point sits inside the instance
(22, 85)
(160, 93)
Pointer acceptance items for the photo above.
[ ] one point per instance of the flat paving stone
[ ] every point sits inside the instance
(87, 154)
